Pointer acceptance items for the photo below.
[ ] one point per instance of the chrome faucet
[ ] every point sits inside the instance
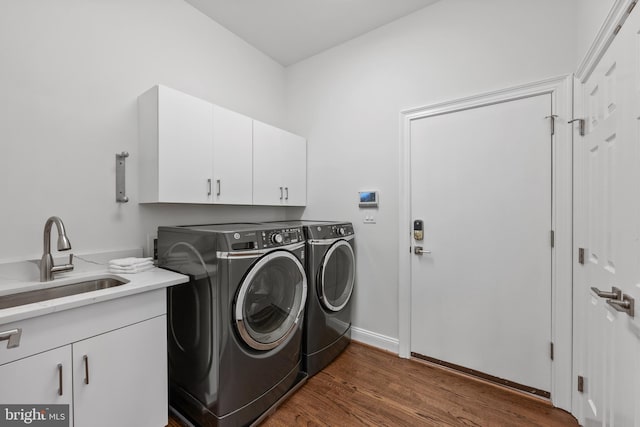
(47, 268)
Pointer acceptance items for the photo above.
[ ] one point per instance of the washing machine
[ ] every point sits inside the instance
(235, 329)
(330, 268)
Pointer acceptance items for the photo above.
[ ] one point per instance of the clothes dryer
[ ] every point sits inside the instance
(235, 329)
(330, 268)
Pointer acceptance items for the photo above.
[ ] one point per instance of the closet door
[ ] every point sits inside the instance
(608, 229)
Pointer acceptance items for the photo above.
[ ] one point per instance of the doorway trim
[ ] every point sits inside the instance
(560, 89)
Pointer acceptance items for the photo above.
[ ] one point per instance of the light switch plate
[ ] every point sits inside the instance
(369, 219)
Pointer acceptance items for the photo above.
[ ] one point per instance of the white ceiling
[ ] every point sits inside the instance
(292, 30)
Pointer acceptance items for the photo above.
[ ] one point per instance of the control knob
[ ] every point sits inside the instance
(276, 238)
(340, 231)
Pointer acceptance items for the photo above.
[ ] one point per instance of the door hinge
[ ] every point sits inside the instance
(580, 383)
(581, 256)
(552, 238)
(553, 123)
(581, 125)
(551, 351)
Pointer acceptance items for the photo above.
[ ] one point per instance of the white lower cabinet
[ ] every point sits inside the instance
(42, 379)
(117, 376)
(107, 361)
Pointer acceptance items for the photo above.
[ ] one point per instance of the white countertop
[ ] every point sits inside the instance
(156, 278)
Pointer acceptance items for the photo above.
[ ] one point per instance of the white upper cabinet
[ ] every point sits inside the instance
(232, 157)
(176, 148)
(192, 151)
(279, 166)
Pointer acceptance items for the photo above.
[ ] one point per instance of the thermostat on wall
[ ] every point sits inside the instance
(368, 199)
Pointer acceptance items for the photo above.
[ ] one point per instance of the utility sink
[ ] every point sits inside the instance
(22, 298)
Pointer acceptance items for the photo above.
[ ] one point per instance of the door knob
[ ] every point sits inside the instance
(419, 250)
(614, 294)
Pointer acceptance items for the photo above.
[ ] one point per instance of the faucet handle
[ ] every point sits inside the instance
(65, 267)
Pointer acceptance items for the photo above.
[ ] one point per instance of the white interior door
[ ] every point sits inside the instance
(608, 215)
(481, 182)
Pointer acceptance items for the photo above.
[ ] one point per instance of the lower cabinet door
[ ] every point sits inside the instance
(120, 377)
(37, 381)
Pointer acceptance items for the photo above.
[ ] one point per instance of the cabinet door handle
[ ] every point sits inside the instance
(85, 358)
(59, 379)
(281, 195)
(209, 187)
(219, 187)
(12, 336)
(286, 189)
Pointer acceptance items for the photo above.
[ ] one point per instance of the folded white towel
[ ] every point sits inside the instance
(131, 270)
(130, 262)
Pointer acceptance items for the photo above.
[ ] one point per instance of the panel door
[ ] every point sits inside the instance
(185, 144)
(41, 379)
(481, 183)
(608, 160)
(268, 188)
(232, 157)
(122, 375)
(294, 172)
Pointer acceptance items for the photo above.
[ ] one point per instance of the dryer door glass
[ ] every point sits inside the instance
(337, 276)
(271, 300)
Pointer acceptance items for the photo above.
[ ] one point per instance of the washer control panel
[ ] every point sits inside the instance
(341, 230)
(280, 237)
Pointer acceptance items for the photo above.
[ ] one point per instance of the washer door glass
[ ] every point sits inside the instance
(337, 276)
(271, 300)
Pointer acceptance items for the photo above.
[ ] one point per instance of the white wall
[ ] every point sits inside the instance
(70, 73)
(590, 15)
(347, 102)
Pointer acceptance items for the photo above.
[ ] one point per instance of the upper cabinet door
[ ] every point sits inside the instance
(268, 186)
(176, 147)
(232, 157)
(279, 167)
(294, 170)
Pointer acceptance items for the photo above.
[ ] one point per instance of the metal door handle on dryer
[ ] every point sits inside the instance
(419, 250)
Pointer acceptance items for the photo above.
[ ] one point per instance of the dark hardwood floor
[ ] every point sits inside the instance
(365, 386)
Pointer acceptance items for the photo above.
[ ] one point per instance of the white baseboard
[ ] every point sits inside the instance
(375, 340)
